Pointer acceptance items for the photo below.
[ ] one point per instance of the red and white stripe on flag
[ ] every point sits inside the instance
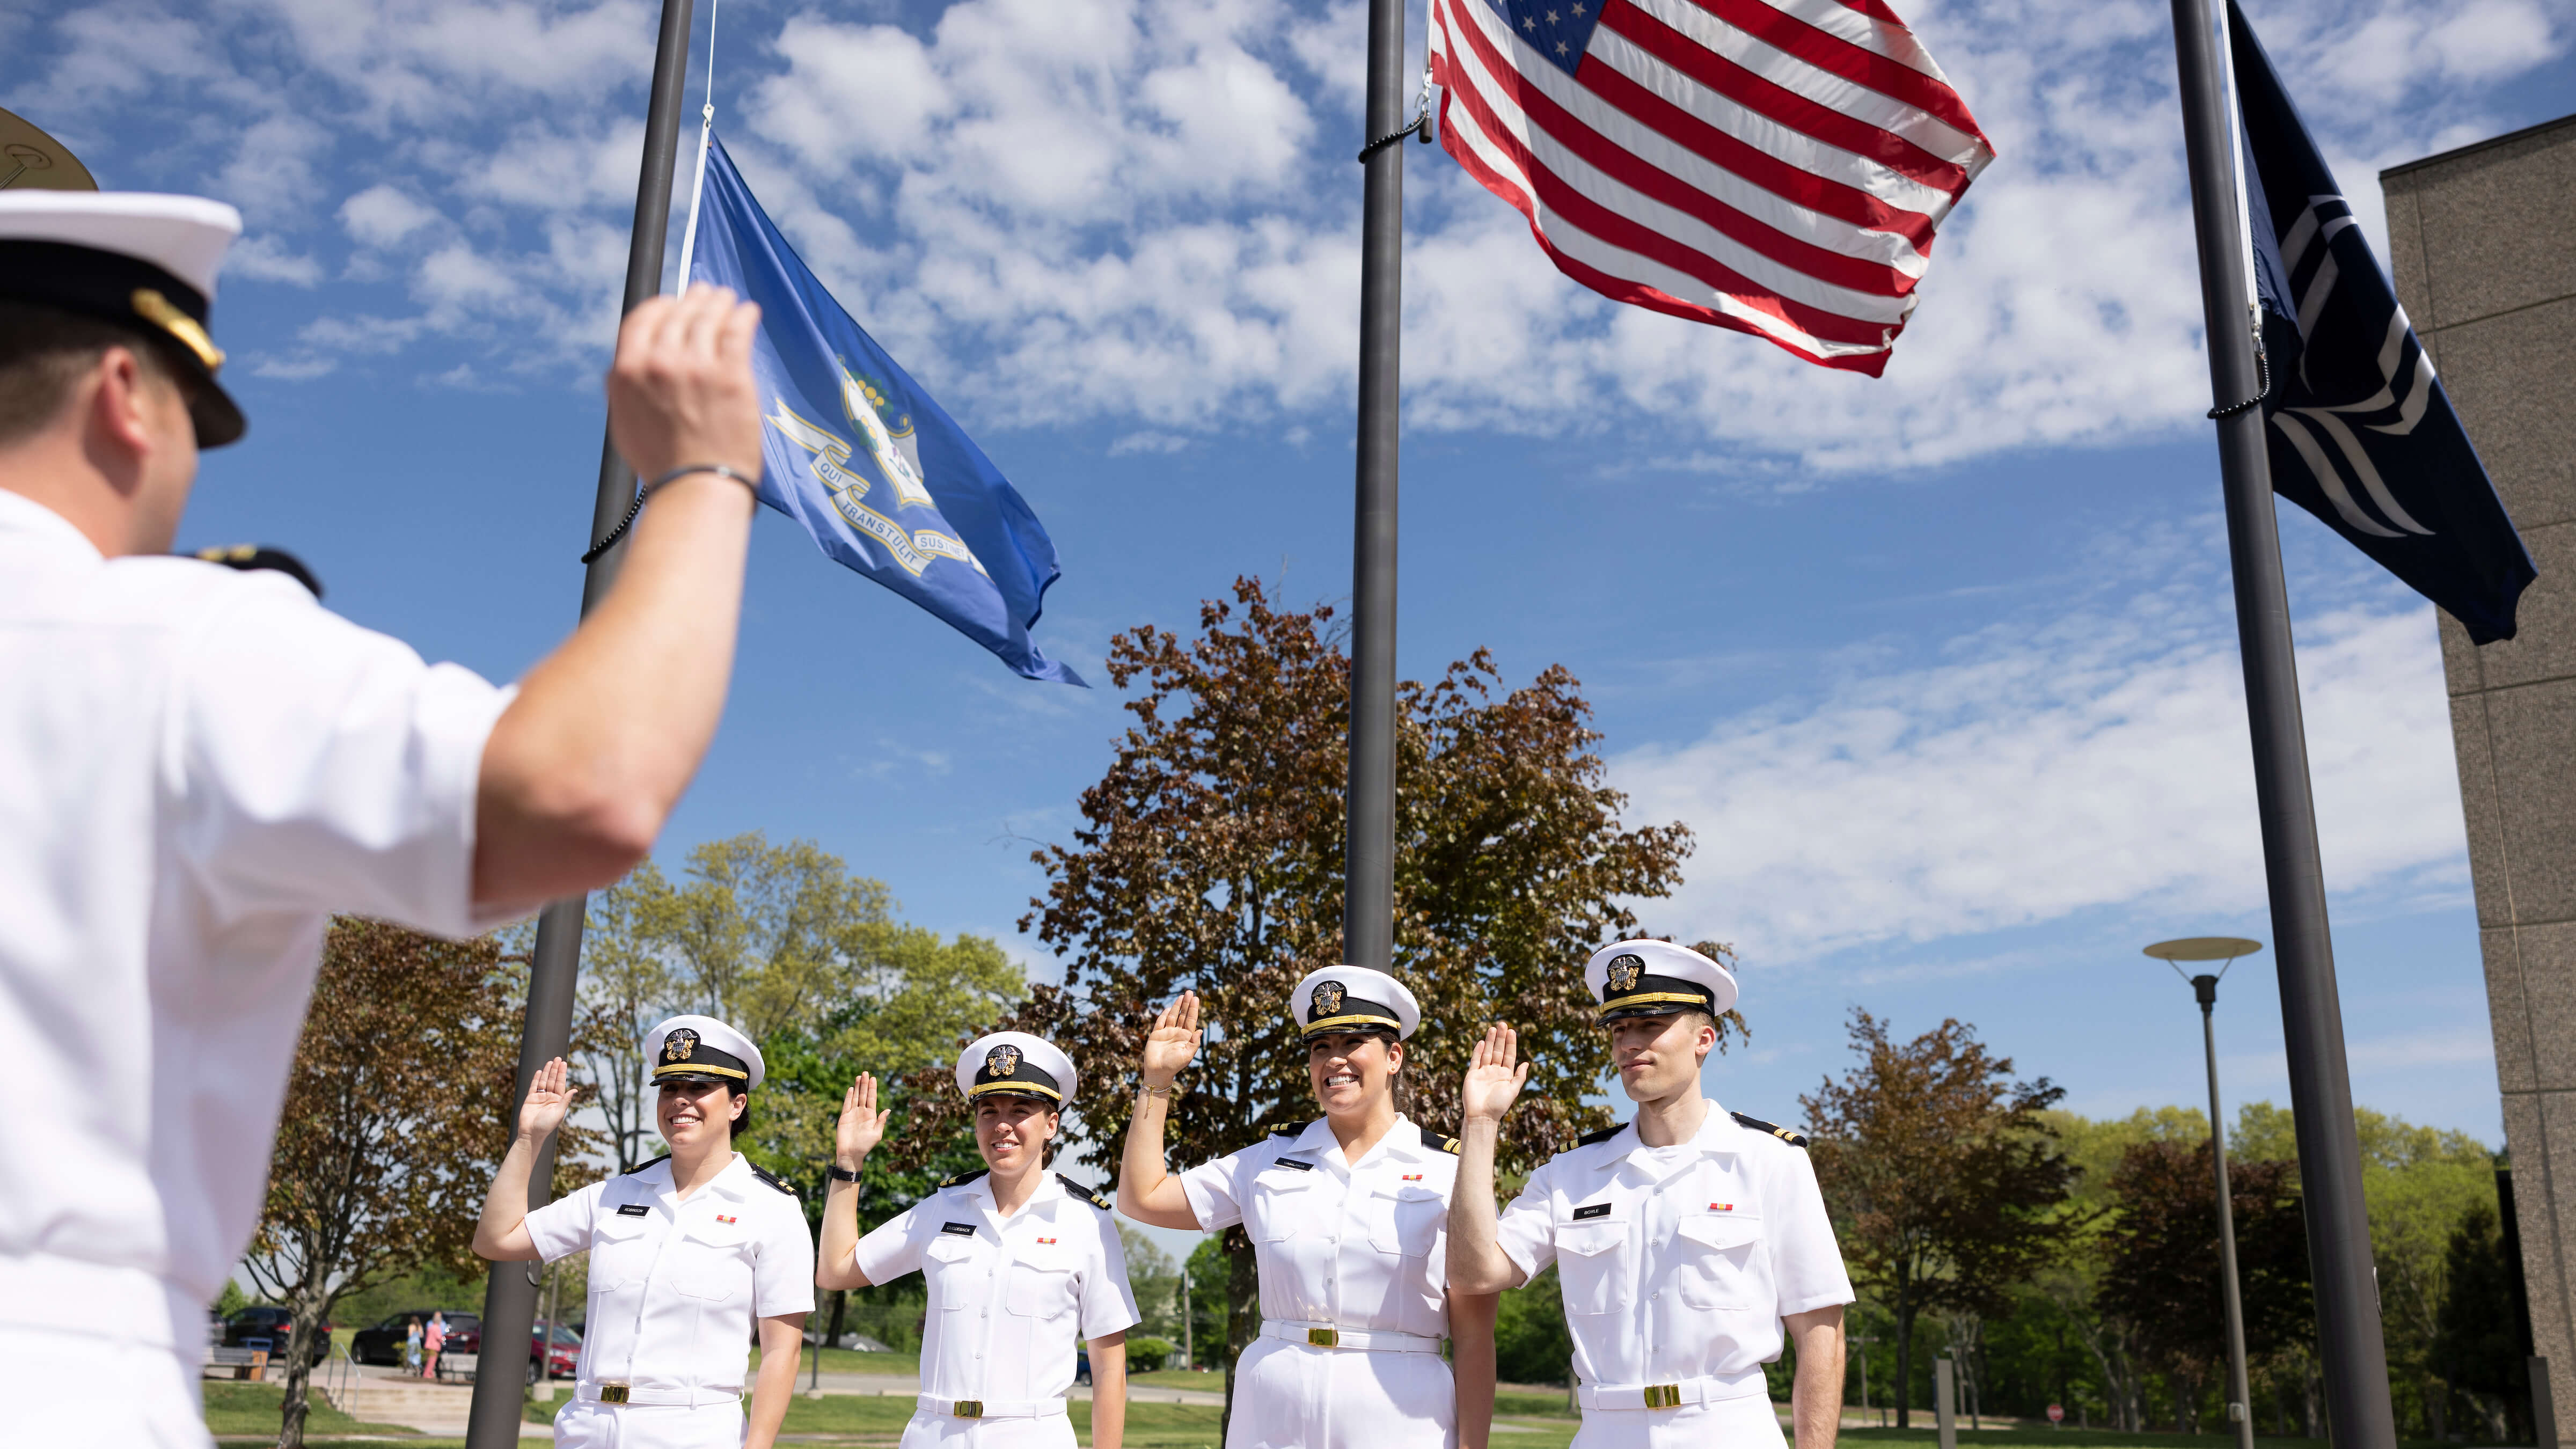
(1777, 167)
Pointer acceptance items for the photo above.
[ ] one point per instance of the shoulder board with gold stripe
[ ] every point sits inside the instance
(1438, 1143)
(766, 1176)
(1604, 1135)
(1756, 1124)
(963, 1178)
(1087, 1193)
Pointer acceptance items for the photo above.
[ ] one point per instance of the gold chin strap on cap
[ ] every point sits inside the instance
(158, 310)
(1348, 1023)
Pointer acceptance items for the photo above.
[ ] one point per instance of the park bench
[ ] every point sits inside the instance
(237, 1363)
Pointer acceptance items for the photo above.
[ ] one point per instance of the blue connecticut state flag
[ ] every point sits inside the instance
(2360, 431)
(881, 476)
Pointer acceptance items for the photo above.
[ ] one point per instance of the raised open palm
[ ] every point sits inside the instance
(861, 1126)
(1492, 1080)
(1173, 1041)
(549, 1098)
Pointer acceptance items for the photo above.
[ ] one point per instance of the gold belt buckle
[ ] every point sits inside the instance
(968, 1409)
(613, 1393)
(1663, 1396)
(1324, 1337)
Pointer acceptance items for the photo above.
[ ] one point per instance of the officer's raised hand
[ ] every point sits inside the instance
(1492, 1080)
(549, 1098)
(1172, 1043)
(680, 390)
(861, 1126)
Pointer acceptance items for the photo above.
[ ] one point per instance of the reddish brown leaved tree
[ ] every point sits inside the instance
(1210, 858)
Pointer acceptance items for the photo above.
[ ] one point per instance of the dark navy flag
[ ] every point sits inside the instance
(2360, 431)
(883, 479)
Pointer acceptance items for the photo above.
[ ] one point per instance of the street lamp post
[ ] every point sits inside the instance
(2224, 950)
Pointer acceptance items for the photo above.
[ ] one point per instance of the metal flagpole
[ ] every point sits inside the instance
(2354, 1354)
(1368, 887)
(2240, 1398)
(510, 1302)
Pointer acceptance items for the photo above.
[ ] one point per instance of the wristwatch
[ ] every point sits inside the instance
(838, 1173)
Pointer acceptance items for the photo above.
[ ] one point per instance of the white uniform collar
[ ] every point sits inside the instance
(1718, 1133)
(1402, 1140)
(1049, 1191)
(21, 514)
(733, 1181)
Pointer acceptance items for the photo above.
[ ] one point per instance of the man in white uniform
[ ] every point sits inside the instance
(198, 766)
(1688, 1243)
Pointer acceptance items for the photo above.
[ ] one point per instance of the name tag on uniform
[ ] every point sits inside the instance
(1597, 1210)
(958, 1230)
(633, 1210)
(1301, 1166)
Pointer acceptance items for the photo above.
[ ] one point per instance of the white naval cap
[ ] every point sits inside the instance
(1656, 978)
(1015, 1064)
(702, 1049)
(1353, 998)
(141, 259)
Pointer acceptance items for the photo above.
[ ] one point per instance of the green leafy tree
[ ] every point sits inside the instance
(1943, 1174)
(1210, 858)
(2477, 1339)
(397, 1111)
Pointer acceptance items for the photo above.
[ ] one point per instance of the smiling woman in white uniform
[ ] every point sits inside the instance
(687, 1254)
(1347, 1220)
(1021, 1263)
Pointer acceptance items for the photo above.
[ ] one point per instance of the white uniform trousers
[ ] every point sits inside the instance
(1290, 1396)
(1746, 1422)
(67, 1387)
(582, 1424)
(946, 1431)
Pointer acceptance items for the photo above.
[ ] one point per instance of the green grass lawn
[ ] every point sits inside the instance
(1209, 1383)
(851, 1361)
(240, 1408)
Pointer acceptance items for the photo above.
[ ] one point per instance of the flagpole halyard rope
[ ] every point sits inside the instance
(706, 135)
(1419, 128)
(2262, 376)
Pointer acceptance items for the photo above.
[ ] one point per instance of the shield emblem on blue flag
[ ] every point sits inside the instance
(876, 471)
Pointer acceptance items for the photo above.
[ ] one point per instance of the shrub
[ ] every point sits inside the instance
(1145, 1355)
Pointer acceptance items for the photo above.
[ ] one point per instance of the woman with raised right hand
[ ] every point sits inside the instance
(1347, 1219)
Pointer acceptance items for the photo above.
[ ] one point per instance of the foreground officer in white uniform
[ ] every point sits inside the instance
(1020, 1263)
(199, 766)
(1346, 1220)
(687, 1254)
(1685, 1242)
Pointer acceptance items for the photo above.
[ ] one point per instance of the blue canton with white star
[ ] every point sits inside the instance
(1557, 29)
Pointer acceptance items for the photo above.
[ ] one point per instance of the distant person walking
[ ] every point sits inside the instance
(411, 1345)
(431, 1342)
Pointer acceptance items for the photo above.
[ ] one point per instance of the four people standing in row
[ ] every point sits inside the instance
(1691, 1244)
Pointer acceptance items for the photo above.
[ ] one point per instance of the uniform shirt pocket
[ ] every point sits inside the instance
(1591, 1265)
(621, 1249)
(712, 1262)
(1039, 1282)
(1405, 1223)
(955, 1278)
(1282, 1204)
(1717, 1260)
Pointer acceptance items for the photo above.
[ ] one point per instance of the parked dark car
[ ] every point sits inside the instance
(268, 1328)
(383, 1343)
(564, 1357)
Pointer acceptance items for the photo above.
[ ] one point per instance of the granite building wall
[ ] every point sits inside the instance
(2483, 243)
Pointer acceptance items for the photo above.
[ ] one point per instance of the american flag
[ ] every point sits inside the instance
(1773, 166)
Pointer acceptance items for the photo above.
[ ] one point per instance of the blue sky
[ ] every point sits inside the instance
(1940, 667)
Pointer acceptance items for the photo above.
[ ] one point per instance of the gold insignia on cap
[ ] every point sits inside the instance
(1328, 1000)
(1624, 971)
(1001, 1061)
(680, 1045)
(158, 310)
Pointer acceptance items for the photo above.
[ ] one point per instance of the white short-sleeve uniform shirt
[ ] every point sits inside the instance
(197, 768)
(1010, 1299)
(676, 1287)
(1353, 1252)
(1677, 1265)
